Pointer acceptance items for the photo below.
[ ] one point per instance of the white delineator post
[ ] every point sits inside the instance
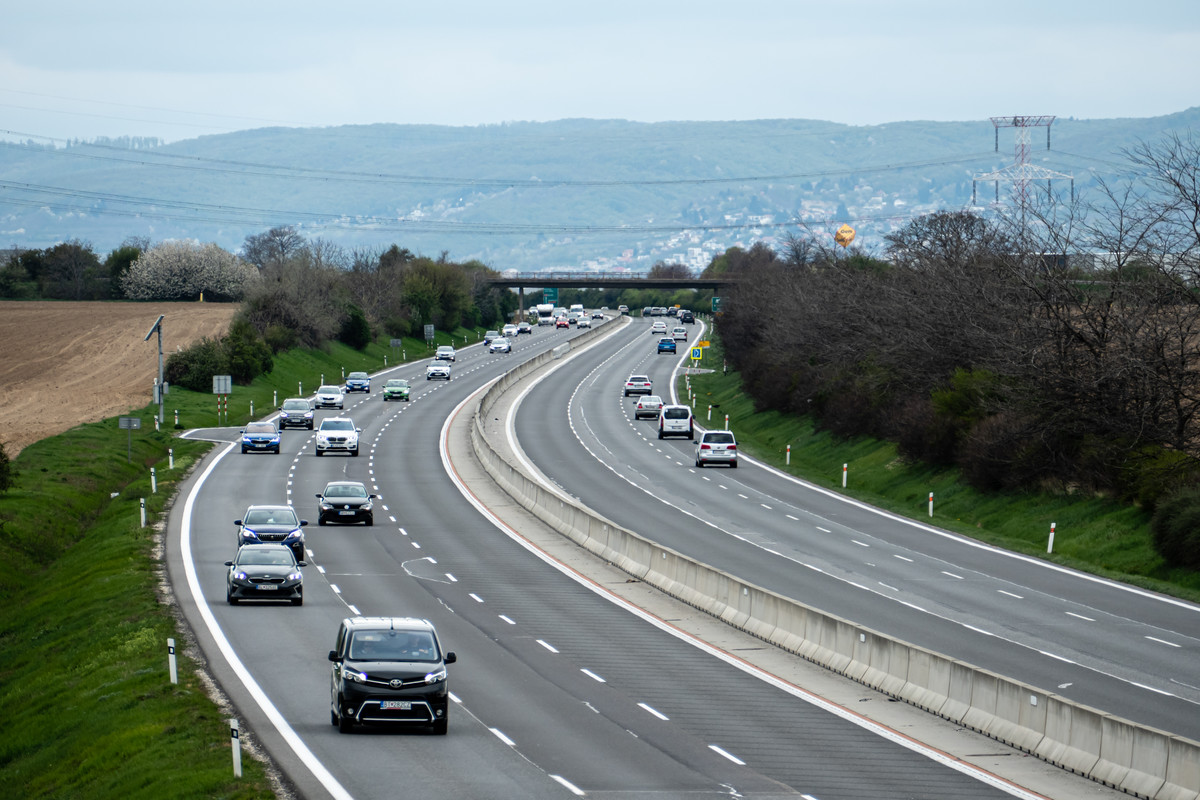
(710, 412)
(788, 460)
(143, 512)
(153, 482)
(844, 468)
(171, 458)
(171, 661)
(1050, 544)
(931, 504)
(235, 744)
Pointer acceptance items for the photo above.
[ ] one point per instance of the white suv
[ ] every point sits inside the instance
(716, 447)
(337, 435)
(675, 420)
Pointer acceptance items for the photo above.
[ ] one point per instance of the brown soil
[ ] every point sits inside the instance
(62, 363)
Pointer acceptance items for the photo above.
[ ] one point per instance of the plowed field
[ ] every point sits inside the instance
(62, 364)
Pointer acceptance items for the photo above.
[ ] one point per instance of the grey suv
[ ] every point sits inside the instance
(388, 671)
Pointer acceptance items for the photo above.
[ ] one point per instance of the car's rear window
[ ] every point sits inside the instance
(638, 379)
(676, 413)
(719, 438)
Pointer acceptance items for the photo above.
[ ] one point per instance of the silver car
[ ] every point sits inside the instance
(648, 406)
(437, 369)
(330, 397)
(716, 447)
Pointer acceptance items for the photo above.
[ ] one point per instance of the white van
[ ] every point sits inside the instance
(675, 420)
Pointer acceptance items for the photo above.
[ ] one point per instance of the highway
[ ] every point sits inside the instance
(1122, 650)
(559, 691)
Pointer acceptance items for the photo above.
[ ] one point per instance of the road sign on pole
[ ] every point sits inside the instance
(716, 305)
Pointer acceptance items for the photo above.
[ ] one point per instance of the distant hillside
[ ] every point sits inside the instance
(568, 194)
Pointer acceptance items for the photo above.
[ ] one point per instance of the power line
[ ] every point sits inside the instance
(250, 168)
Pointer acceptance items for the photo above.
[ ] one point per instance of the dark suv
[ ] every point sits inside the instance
(388, 671)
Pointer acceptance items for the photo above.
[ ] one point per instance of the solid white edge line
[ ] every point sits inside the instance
(938, 756)
(293, 740)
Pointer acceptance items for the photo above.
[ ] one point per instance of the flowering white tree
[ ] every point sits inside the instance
(182, 270)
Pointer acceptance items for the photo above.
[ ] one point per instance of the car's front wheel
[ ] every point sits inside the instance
(320, 452)
(345, 724)
(298, 601)
(229, 598)
(354, 452)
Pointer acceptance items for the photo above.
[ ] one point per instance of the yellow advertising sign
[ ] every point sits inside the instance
(844, 236)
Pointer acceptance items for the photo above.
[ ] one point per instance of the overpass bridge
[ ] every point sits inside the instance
(601, 280)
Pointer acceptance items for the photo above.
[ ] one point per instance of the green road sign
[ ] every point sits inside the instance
(716, 305)
(550, 296)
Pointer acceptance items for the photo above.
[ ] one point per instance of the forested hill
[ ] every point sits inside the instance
(572, 193)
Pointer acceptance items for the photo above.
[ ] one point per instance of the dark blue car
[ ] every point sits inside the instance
(262, 437)
(358, 382)
(666, 345)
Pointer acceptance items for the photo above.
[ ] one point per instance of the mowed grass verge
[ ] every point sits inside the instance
(89, 708)
(1092, 534)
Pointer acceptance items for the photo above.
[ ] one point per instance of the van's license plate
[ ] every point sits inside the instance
(396, 705)
(267, 587)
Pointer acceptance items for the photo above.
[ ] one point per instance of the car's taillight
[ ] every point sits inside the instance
(706, 447)
(731, 447)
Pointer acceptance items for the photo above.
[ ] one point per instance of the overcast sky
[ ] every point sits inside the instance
(177, 70)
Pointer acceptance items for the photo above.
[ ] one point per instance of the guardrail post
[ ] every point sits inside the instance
(235, 744)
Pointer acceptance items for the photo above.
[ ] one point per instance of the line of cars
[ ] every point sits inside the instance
(712, 447)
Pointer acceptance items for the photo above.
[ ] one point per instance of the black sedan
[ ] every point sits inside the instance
(264, 572)
(345, 501)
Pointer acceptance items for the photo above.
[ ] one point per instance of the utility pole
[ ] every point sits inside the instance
(159, 388)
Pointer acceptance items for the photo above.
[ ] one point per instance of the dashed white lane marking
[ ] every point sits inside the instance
(1163, 641)
(654, 711)
(727, 754)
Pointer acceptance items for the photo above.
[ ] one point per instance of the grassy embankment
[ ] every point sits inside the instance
(88, 704)
(1092, 534)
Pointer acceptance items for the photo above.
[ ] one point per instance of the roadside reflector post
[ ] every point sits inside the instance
(343, 374)
(710, 412)
(299, 388)
(385, 361)
(251, 409)
(845, 467)
(275, 397)
(153, 482)
(931, 504)
(1050, 545)
(143, 511)
(323, 376)
(726, 422)
(156, 423)
(177, 418)
(788, 459)
(171, 457)
(235, 744)
(171, 661)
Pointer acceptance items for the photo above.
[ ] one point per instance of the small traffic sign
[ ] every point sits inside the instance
(697, 353)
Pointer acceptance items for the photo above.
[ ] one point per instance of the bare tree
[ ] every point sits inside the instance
(277, 246)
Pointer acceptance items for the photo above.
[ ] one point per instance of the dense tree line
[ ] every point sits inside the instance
(1057, 348)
